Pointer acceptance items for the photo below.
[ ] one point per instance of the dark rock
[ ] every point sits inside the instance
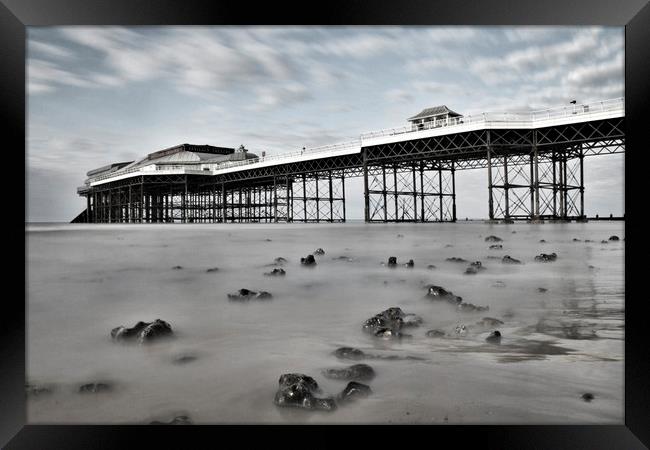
(178, 420)
(587, 396)
(36, 391)
(355, 372)
(246, 294)
(388, 323)
(297, 390)
(469, 307)
(544, 257)
(471, 270)
(177, 267)
(276, 273)
(308, 260)
(319, 251)
(588, 240)
(435, 333)
(142, 332)
(460, 330)
(541, 290)
(353, 391)
(614, 238)
(349, 353)
(508, 260)
(440, 293)
(279, 260)
(493, 239)
(496, 247)
(431, 267)
(542, 241)
(184, 359)
(392, 261)
(409, 264)
(474, 268)
(604, 242)
(456, 260)
(95, 388)
(576, 240)
(489, 322)
(494, 338)
(213, 269)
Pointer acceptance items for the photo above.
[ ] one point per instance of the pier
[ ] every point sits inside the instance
(533, 163)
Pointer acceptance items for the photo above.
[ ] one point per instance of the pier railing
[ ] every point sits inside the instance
(513, 119)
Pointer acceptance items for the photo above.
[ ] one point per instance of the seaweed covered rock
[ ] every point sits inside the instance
(507, 259)
(440, 293)
(545, 257)
(456, 260)
(142, 332)
(361, 372)
(298, 390)
(494, 338)
(178, 420)
(353, 391)
(493, 239)
(247, 294)
(276, 273)
(308, 260)
(349, 353)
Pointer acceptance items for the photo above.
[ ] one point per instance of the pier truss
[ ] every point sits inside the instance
(531, 174)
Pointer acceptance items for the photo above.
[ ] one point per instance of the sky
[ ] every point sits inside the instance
(98, 95)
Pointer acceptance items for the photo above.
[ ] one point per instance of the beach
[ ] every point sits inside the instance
(558, 342)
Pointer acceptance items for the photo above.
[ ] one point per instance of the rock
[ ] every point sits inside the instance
(353, 391)
(319, 251)
(308, 260)
(95, 388)
(508, 260)
(390, 333)
(471, 270)
(409, 264)
(212, 269)
(460, 330)
(280, 260)
(246, 294)
(448, 246)
(588, 240)
(469, 307)
(496, 247)
(297, 390)
(494, 338)
(544, 257)
(177, 267)
(400, 235)
(456, 260)
(604, 242)
(440, 293)
(493, 239)
(614, 238)
(392, 261)
(276, 273)
(142, 332)
(489, 322)
(541, 290)
(435, 333)
(355, 372)
(576, 240)
(178, 420)
(542, 241)
(587, 396)
(184, 359)
(514, 232)
(474, 268)
(36, 391)
(431, 267)
(349, 353)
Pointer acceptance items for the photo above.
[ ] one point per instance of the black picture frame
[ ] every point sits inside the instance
(15, 15)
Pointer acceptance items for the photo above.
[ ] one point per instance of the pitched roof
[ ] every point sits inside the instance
(435, 111)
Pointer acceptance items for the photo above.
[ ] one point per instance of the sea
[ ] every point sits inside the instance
(562, 333)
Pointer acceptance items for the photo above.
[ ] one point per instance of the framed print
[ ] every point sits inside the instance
(243, 217)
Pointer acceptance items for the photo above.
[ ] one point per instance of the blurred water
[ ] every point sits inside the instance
(85, 280)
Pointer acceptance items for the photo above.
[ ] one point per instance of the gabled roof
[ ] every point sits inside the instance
(435, 111)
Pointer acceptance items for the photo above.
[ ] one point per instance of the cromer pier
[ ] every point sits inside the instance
(533, 163)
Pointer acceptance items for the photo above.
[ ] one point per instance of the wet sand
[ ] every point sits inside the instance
(556, 345)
